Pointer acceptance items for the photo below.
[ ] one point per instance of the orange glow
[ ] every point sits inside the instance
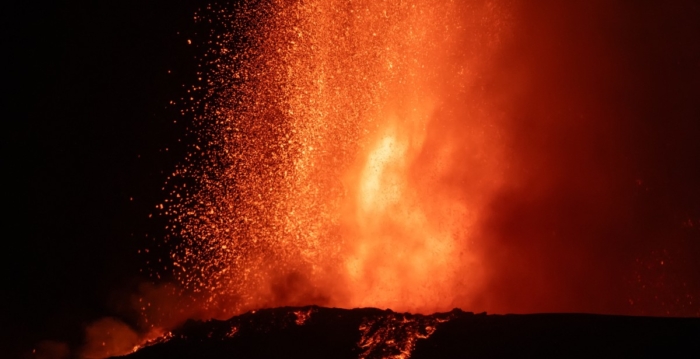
(351, 162)
(417, 155)
(109, 337)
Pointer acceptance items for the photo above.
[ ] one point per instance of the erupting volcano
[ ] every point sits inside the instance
(348, 152)
(420, 156)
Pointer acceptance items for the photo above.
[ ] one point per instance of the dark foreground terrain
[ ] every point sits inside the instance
(315, 332)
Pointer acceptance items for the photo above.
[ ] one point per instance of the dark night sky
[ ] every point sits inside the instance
(86, 86)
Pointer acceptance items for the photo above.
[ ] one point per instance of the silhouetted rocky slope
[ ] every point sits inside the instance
(315, 332)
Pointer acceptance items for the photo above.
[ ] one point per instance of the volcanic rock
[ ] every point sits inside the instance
(367, 333)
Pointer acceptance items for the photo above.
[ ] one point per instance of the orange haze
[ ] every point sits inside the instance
(422, 155)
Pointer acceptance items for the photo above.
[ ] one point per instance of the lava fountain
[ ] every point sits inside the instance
(422, 155)
(348, 150)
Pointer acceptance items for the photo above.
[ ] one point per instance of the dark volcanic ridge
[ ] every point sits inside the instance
(317, 332)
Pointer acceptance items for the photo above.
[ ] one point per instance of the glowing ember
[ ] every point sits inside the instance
(394, 335)
(302, 316)
(334, 140)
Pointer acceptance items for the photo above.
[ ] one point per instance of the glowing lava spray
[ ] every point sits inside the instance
(349, 150)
